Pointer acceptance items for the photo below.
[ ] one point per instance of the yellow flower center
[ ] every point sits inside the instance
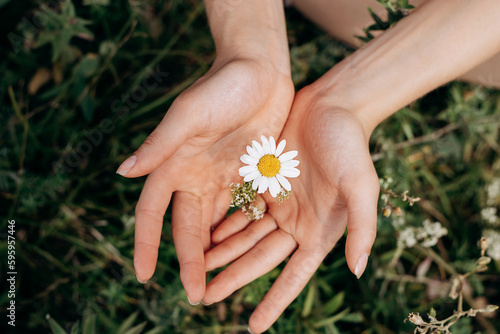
(269, 165)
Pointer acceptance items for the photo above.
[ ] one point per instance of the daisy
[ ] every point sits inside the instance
(267, 167)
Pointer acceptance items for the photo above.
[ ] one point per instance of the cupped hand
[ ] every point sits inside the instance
(194, 152)
(337, 188)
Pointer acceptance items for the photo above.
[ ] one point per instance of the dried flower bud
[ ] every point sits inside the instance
(397, 211)
(416, 319)
(387, 211)
(413, 200)
(483, 261)
(404, 195)
(432, 313)
(480, 269)
(455, 288)
(491, 308)
(483, 243)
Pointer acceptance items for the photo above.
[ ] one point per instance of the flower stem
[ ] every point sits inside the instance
(438, 259)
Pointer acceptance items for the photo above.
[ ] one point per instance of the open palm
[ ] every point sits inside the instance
(193, 153)
(338, 187)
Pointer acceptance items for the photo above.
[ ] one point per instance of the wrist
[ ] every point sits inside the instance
(250, 30)
(412, 58)
(335, 93)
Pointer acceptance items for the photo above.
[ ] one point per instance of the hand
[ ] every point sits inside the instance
(194, 151)
(337, 187)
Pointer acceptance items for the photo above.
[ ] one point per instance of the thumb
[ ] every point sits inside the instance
(161, 144)
(361, 196)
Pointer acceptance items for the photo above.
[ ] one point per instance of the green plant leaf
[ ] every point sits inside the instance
(127, 323)
(69, 9)
(353, 317)
(378, 20)
(54, 326)
(137, 329)
(156, 330)
(308, 303)
(331, 320)
(335, 303)
(89, 319)
(75, 329)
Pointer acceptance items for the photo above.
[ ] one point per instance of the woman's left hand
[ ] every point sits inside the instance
(338, 187)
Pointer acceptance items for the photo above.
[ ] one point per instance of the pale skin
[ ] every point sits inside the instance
(194, 151)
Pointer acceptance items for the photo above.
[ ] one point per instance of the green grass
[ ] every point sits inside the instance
(74, 215)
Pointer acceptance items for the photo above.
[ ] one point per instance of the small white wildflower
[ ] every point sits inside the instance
(421, 233)
(283, 195)
(434, 229)
(242, 194)
(398, 222)
(257, 213)
(493, 238)
(385, 182)
(489, 215)
(429, 242)
(407, 238)
(493, 192)
(253, 212)
(427, 235)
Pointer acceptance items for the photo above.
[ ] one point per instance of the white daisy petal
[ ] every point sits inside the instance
(286, 166)
(265, 145)
(263, 184)
(288, 156)
(272, 145)
(245, 170)
(289, 164)
(246, 159)
(274, 186)
(256, 181)
(280, 148)
(284, 182)
(251, 176)
(252, 152)
(258, 147)
(289, 172)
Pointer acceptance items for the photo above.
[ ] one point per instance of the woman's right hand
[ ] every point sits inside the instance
(194, 152)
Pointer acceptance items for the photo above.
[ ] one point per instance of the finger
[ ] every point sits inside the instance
(298, 271)
(361, 196)
(207, 210)
(232, 225)
(235, 223)
(221, 206)
(149, 212)
(239, 244)
(160, 145)
(264, 257)
(187, 234)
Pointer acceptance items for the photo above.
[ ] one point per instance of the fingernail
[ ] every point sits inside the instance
(361, 265)
(202, 303)
(190, 302)
(127, 165)
(140, 281)
(250, 331)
